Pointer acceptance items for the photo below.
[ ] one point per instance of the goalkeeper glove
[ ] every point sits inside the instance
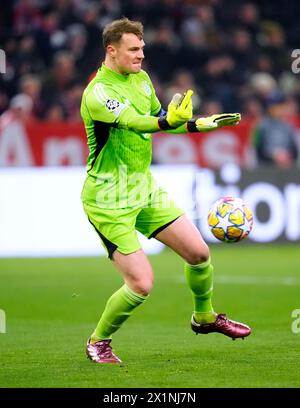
(180, 110)
(213, 122)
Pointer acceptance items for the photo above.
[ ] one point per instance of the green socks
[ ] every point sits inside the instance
(200, 280)
(122, 303)
(118, 308)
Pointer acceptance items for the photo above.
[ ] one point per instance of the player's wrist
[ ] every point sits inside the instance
(164, 124)
(191, 126)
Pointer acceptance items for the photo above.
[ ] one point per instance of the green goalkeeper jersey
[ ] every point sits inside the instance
(119, 116)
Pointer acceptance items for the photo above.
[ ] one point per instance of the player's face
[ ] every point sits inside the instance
(129, 54)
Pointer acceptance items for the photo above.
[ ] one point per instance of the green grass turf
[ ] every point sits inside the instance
(52, 305)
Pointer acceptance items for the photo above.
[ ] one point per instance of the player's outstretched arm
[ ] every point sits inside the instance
(213, 122)
(105, 107)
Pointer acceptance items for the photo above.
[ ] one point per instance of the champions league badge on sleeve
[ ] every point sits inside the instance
(114, 106)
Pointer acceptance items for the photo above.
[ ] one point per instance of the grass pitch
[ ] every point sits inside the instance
(52, 305)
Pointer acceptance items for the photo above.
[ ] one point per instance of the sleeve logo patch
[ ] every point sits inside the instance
(112, 105)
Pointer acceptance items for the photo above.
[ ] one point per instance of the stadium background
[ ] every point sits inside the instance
(237, 56)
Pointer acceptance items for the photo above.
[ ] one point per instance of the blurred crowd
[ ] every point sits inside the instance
(235, 55)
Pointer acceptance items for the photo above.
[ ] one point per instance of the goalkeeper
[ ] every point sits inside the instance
(120, 197)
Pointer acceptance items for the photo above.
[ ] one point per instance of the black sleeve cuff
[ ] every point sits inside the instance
(163, 124)
(191, 126)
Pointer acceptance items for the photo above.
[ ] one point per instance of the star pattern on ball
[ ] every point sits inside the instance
(224, 222)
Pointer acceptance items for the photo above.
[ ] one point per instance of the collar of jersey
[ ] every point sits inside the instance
(104, 70)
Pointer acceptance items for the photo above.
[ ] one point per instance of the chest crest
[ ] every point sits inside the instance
(146, 87)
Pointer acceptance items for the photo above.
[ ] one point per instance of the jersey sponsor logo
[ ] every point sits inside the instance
(112, 105)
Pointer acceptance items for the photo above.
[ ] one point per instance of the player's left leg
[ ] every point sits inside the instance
(184, 238)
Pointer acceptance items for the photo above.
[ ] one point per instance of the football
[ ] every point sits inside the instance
(230, 219)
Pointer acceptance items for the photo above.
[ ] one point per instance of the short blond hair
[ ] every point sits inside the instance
(112, 33)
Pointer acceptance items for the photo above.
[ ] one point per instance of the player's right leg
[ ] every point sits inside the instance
(136, 271)
(138, 277)
(116, 229)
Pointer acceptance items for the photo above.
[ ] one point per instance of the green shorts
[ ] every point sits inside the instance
(118, 228)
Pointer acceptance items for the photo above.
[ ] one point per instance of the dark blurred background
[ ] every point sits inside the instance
(237, 56)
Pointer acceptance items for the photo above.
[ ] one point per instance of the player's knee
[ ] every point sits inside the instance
(198, 255)
(143, 287)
